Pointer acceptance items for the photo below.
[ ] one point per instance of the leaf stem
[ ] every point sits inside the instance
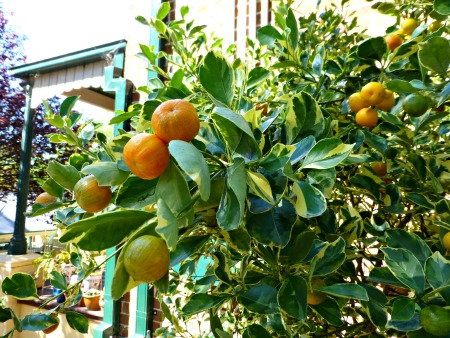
(215, 159)
(80, 281)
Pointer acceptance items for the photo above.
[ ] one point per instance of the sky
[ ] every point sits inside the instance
(56, 27)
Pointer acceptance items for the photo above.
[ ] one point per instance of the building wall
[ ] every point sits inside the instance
(370, 19)
(136, 33)
(125, 315)
(235, 20)
(157, 316)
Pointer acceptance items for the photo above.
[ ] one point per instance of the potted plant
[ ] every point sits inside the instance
(92, 299)
(56, 260)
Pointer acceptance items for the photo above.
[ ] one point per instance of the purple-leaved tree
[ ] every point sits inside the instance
(12, 102)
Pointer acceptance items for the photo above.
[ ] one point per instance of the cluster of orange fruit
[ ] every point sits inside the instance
(408, 26)
(373, 94)
(147, 258)
(147, 155)
(397, 38)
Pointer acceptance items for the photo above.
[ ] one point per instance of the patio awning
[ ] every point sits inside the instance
(32, 225)
(72, 81)
(78, 73)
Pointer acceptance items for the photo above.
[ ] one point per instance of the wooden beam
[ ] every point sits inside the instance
(92, 97)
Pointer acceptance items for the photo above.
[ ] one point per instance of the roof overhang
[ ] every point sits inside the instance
(78, 73)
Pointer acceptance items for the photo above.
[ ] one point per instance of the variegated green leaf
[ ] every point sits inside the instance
(310, 201)
(277, 158)
(232, 204)
(292, 297)
(327, 153)
(303, 116)
(106, 173)
(346, 290)
(192, 162)
(406, 267)
(167, 224)
(236, 133)
(329, 258)
(260, 186)
(173, 183)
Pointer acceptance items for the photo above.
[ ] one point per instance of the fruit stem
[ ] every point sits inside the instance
(215, 159)
(189, 204)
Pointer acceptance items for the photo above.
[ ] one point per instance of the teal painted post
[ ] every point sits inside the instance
(111, 311)
(142, 309)
(18, 243)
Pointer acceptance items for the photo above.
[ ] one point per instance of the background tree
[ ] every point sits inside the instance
(12, 101)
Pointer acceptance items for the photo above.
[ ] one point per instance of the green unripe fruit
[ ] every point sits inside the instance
(147, 258)
(435, 320)
(90, 196)
(444, 179)
(415, 105)
(434, 26)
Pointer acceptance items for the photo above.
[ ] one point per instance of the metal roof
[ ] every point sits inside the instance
(7, 217)
(104, 52)
(73, 73)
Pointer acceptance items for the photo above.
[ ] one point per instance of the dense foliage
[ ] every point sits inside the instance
(286, 215)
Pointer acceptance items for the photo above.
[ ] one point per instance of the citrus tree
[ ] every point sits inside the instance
(301, 190)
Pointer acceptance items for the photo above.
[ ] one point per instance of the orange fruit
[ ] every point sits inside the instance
(45, 198)
(409, 25)
(146, 155)
(379, 168)
(446, 241)
(393, 41)
(52, 328)
(388, 101)
(175, 120)
(316, 297)
(356, 102)
(373, 93)
(367, 117)
(147, 258)
(90, 196)
(264, 107)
